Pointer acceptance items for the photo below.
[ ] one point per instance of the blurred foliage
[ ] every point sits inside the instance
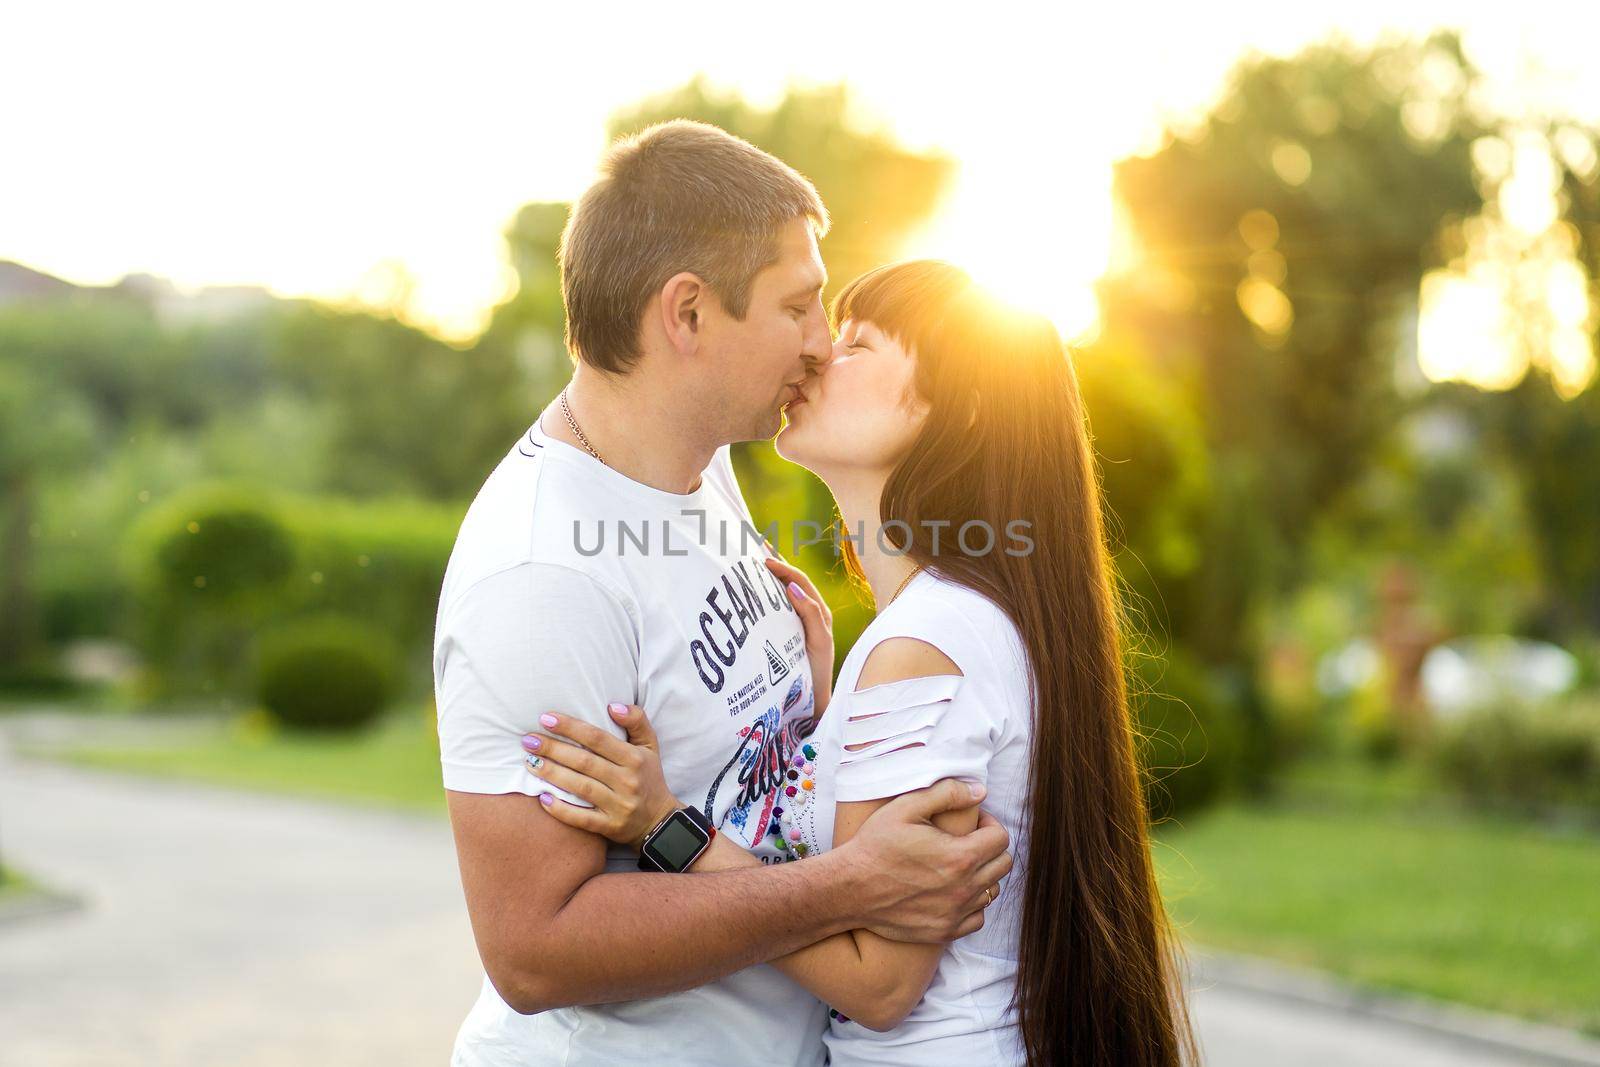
(404, 412)
(325, 673)
(214, 565)
(1154, 474)
(1530, 761)
(1442, 495)
(1267, 447)
(1554, 445)
(107, 409)
(1277, 249)
(1191, 738)
(119, 426)
(1280, 241)
(1373, 727)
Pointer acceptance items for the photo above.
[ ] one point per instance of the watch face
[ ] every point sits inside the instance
(677, 843)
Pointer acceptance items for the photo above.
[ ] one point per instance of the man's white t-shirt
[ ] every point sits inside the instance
(572, 586)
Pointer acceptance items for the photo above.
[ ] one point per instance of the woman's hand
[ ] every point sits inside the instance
(622, 779)
(818, 623)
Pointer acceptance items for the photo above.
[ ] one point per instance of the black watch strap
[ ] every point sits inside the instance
(700, 819)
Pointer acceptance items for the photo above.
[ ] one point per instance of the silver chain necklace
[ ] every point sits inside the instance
(572, 422)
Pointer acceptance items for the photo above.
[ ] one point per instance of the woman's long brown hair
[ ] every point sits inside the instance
(1006, 438)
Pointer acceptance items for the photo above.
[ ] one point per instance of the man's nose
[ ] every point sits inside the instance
(818, 350)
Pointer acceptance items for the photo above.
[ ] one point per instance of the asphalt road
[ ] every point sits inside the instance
(222, 928)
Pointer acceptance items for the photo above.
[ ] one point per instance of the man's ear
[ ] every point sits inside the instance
(682, 307)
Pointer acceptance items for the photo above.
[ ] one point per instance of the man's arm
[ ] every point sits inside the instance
(553, 929)
(873, 980)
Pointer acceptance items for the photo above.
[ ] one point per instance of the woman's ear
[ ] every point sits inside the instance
(682, 309)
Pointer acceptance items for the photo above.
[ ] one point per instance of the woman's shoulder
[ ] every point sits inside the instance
(962, 621)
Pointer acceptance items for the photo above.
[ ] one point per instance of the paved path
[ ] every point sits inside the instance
(1253, 1029)
(223, 929)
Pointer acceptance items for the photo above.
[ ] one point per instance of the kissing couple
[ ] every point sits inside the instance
(682, 839)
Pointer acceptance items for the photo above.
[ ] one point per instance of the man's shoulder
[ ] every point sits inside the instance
(519, 529)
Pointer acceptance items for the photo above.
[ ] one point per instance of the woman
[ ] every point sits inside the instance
(995, 655)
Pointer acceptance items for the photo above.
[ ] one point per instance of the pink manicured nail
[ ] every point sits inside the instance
(619, 710)
(530, 742)
(549, 720)
(546, 799)
(796, 592)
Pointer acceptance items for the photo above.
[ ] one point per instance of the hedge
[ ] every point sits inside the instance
(213, 567)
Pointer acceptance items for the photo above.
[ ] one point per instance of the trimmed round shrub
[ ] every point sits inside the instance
(382, 560)
(220, 545)
(208, 567)
(1189, 736)
(328, 673)
(216, 565)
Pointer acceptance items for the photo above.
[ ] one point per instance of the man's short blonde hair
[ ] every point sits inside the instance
(679, 196)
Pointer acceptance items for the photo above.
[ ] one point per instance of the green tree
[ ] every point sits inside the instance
(405, 412)
(1554, 445)
(527, 330)
(43, 430)
(1283, 242)
(75, 374)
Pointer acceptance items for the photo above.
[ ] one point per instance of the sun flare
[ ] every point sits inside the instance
(1036, 247)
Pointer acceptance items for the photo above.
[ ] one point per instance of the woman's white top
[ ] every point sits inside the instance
(975, 725)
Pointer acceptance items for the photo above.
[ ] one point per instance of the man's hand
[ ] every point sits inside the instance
(924, 884)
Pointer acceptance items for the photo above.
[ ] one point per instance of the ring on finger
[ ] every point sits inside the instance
(988, 898)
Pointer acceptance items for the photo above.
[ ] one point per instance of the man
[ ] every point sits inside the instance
(602, 563)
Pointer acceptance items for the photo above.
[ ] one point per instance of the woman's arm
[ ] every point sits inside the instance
(870, 979)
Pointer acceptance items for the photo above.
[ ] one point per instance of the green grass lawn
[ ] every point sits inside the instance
(1356, 871)
(396, 764)
(1465, 908)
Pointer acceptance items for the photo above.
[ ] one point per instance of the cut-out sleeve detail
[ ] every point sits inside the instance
(909, 734)
(894, 714)
(890, 695)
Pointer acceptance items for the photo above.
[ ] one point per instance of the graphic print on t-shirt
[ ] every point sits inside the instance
(752, 782)
(758, 772)
(777, 670)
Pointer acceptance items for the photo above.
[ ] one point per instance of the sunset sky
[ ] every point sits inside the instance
(315, 148)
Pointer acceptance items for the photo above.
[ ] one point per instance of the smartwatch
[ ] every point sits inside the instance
(677, 841)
